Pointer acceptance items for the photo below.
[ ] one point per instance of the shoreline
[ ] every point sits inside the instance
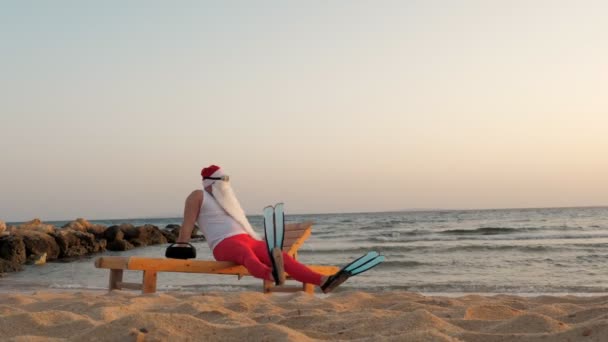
(253, 285)
(22, 288)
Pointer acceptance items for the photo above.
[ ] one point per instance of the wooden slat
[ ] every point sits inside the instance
(112, 262)
(298, 226)
(287, 243)
(294, 234)
(193, 266)
(188, 266)
(324, 270)
(298, 243)
(130, 286)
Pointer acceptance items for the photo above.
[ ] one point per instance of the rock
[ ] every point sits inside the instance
(175, 228)
(137, 243)
(79, 224)
(73, 243)
(2, 227)
(11, 230)
(36, 259)
(130, 231)
(103, 244)
(91, 243)
(152, 234)
(114, 233)
(37, 243)
(97, 230)
(85, 226)
(37, 225)
(34, 222)
(69, 243)
(119, 245)
(8, 266)
(144, 235)
(171, 238)
(199, 238)
(12, 249)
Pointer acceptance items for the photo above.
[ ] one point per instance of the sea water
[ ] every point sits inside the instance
(523, 251)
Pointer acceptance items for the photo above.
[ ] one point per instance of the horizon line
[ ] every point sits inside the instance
(337, 213)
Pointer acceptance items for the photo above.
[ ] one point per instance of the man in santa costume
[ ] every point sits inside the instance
(219, 215)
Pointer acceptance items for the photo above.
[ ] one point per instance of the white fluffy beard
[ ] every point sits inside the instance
(223, 194)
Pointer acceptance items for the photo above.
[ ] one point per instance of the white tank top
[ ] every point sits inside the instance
(215, 223)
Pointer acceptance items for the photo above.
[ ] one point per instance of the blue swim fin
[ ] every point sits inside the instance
(274, 228)
(269, 227)
(360, 261)
(360, 265)
(279, 226)
(368, 265)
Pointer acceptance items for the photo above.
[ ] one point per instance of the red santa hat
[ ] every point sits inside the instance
(209, 171)
(212, 171)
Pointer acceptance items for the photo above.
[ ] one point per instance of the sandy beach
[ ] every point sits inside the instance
(253, 316)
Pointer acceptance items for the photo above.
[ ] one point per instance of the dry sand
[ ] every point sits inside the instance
(252, 316)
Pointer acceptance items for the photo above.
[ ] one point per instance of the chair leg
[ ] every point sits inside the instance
(268, 285)
(149, 284)
(308, 288)
(115, 278)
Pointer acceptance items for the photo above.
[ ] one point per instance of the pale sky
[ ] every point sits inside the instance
(109, 109)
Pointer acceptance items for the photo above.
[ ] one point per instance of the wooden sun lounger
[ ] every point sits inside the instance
(295, 235)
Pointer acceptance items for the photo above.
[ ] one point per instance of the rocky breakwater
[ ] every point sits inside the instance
(36, 242)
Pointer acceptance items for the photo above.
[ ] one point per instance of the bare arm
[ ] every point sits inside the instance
(191, 211)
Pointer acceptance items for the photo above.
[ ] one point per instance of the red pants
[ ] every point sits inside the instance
(251, 253)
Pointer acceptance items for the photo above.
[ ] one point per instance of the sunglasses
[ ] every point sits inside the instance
(224, 178)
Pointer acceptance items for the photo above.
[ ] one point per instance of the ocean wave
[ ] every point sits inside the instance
(402, 264)
(592, 258)
(481, 231)
(592, 247)
(390, 229)
(512, 230)
(360, 249)
(481, 248)
(377, 226)
(478, 237)
(416, 232)
(404, 250)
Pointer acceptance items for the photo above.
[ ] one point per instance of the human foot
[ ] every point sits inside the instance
(333, 281)
(277, 257)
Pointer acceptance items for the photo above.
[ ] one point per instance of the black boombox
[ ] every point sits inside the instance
(181, 252)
